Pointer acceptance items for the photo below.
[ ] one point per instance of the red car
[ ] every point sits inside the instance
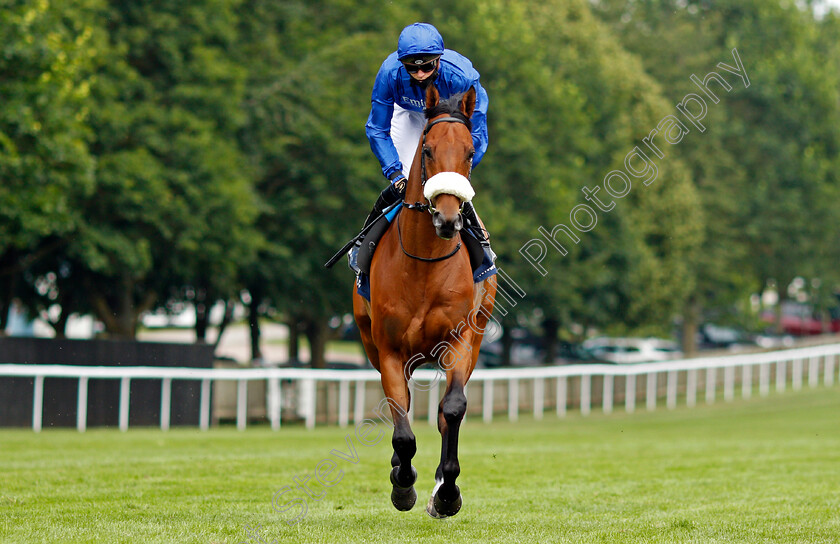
(799, 320)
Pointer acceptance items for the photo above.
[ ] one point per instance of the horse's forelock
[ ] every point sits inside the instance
(450, 106)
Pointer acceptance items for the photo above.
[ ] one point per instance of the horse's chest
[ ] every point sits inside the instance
(425, 326)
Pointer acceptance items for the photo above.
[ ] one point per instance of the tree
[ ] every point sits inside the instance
(308, 100)
(764, 169)
(45, 165)
(173, 205)
(567, 105)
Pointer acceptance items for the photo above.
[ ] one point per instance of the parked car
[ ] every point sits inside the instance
(774, 341)
(800, 320)
(711, 336)
(526, 350)
(569, 353)
(632, 350)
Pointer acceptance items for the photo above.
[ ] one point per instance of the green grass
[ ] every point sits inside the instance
(762, 470)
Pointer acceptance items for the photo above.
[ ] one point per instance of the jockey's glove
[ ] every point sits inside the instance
(398, 181)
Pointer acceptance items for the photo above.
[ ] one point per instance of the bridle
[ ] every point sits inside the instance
(419, 206)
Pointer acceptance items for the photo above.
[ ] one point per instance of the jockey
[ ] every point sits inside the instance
(396, 119)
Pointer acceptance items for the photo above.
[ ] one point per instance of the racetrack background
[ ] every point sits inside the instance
(759, 470)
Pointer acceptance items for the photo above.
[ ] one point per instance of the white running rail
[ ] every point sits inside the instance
(819, 361)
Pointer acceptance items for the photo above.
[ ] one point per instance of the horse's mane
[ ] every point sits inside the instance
(450, 106)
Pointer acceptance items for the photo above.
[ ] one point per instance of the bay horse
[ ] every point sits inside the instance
(424, 305)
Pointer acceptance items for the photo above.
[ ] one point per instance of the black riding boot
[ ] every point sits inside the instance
(473, 226)
(390, 195)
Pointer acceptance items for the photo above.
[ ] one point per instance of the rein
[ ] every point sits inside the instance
(425, 259)
(420, 207)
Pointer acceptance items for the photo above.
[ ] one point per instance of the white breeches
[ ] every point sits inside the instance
(406, 129)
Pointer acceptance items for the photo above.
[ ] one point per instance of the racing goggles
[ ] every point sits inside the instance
(414, 66)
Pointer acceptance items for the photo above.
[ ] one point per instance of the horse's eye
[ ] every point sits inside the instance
(427, 152)
(470, 155)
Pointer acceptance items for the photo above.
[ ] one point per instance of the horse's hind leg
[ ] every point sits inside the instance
(403, 475)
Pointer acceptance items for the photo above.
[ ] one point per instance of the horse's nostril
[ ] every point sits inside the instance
(437, 220)
(459, 222)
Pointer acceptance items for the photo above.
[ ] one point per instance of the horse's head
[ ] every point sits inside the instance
(446, 158)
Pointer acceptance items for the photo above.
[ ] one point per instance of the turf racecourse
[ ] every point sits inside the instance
(759, 470)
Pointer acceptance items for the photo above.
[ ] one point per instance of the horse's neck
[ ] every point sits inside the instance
(414, 186)
(419, 221)
(414, 191)
(416, 231)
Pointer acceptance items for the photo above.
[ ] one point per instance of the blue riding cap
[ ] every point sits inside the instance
(419, 39)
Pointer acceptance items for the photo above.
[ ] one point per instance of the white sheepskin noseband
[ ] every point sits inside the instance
(450, 183)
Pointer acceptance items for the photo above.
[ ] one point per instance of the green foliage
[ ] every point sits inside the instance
(567, 104)
(46, 52)
(766, 166)
(173, 203)
(156, 152)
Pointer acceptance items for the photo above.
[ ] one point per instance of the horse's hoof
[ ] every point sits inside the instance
(403, 498)
(439, 508)
(430, 508)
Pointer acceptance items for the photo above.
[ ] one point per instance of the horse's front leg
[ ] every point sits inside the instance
(446, 496)
(403, 475)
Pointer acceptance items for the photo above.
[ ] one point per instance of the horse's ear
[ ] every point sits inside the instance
(432, 97)
(468, 102)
